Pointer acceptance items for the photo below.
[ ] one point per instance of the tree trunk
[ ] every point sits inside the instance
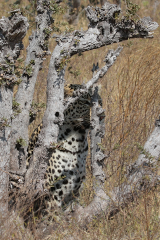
(10, 46)
(5, 138)
(36, 51)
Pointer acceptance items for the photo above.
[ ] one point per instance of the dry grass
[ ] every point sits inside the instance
(13, 228)
(131, 96)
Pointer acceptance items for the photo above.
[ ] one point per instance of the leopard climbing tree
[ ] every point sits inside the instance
(62, 117)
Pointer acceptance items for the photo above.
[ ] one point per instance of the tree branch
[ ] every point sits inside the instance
(110, 59)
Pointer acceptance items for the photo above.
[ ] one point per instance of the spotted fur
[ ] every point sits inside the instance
(66, 167)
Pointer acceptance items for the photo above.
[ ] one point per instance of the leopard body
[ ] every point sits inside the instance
(66, 166)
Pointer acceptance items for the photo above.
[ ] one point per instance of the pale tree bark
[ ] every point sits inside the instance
(103, 30)
(36, 51)
(12, 31)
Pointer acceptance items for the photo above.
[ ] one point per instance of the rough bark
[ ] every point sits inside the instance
(12, 31)
(36, 51)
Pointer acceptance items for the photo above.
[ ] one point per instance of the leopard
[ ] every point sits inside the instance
(66, 169)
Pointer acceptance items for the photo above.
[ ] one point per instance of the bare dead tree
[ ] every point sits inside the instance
(103, 30)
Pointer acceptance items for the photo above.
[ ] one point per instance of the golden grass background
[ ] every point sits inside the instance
(131, 97)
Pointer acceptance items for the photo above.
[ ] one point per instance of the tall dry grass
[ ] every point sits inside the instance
(131, 97)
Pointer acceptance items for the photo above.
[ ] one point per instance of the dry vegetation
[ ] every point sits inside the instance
(131, 97)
